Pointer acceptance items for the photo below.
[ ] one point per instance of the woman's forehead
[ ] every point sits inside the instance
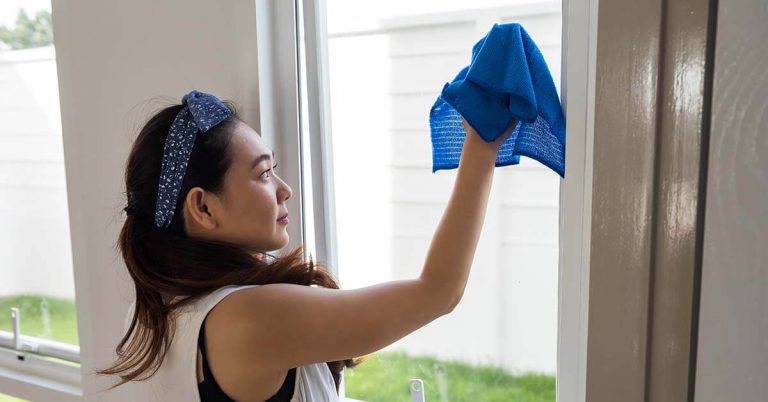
(248, 144)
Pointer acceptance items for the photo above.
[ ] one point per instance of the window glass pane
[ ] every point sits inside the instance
(36, 269)
(388, 62)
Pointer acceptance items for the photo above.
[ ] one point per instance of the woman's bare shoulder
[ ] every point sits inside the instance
(237, 373)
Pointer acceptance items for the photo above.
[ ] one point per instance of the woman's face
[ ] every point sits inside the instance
(254, 198)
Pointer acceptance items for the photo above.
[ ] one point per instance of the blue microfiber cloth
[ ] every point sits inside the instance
(507, 77)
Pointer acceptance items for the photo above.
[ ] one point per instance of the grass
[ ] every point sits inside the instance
(383, 377)
(42, 317)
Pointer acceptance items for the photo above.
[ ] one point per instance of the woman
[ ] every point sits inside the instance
(204, 208)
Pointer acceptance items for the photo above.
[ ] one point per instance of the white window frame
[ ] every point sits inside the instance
(579, 59)
(277, 68)
(24, 369)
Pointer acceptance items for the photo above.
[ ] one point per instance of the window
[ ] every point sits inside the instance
(38, 323)
(387, 62)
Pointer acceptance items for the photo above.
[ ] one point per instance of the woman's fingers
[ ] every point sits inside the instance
(473, 135)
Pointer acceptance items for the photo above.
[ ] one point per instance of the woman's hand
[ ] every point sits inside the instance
(474, 137)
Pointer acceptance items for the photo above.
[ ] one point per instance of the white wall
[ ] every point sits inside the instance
(112, 57)
(732, 360)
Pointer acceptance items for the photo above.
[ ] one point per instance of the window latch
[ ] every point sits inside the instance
(21, 345)
(16, 322)
(417, 390)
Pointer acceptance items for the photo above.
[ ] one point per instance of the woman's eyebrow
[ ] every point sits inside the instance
(261, 158)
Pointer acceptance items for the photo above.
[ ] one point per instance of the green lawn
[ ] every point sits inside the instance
(48, 317)
(383, 377)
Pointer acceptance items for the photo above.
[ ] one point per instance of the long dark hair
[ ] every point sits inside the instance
(171, 270)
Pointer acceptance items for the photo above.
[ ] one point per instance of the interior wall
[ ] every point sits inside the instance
(117, 63)
(732, 362)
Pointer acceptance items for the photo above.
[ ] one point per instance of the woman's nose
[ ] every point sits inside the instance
(286, 189)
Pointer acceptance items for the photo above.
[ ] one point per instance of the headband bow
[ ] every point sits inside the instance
(200, 113)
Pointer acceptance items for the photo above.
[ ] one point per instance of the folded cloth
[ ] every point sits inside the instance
(506, 78)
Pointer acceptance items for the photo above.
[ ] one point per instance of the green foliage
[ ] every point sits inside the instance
(29, 33)
(42, 317)
(385, 376)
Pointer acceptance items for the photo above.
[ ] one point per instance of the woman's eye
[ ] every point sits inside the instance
(267, 171)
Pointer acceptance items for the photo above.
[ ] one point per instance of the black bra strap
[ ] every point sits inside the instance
(207, 376)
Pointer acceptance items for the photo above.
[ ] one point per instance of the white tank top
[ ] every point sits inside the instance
(176, 379)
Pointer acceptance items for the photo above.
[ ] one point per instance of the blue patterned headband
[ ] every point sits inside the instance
(201, 112)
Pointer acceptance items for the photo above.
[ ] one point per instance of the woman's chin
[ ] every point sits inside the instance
(280, 241)
(287, 239)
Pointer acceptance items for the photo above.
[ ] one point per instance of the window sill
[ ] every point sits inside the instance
(35, 378)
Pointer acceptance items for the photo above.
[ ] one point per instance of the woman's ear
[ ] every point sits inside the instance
(200, 209)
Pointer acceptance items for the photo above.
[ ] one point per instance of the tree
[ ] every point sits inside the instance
(29, 33)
